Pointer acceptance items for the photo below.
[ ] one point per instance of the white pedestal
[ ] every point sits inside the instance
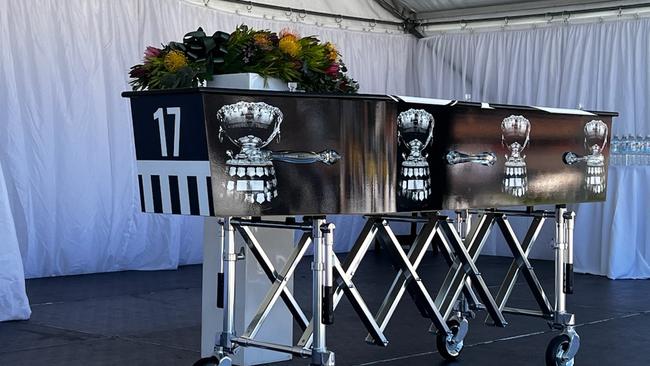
(251, 287)
(246, 81)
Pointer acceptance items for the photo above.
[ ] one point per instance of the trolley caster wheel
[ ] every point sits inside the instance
(557, 352)
(214, 361)
(450, 346)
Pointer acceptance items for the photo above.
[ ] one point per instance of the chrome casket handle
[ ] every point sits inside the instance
(486, 158)
(570, 158)
(328, 157)
(596, 159)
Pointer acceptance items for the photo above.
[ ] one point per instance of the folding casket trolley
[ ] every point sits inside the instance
(244, 155)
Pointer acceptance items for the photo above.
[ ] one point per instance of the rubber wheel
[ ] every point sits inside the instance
(556, 347)
(208, 361)
(448, 351)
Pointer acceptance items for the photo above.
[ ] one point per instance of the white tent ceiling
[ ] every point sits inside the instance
(424, 17)
(444, 9)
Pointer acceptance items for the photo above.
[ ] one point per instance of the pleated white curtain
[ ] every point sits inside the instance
(13, 300)
(603, 66)
(65, 132)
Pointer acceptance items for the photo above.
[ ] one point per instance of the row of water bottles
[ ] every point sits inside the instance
(630, 150)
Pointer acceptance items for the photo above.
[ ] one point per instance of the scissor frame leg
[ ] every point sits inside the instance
(473, 302)
(407, 277)
(469, 269)
(343, 285)
(521, 264)
(279, 280)
(464, 267)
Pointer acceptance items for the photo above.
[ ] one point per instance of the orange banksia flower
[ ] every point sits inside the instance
(263, 41)
(288, 32)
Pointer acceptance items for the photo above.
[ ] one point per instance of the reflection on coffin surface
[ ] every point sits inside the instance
(277, 153)
(415, 131)
(596, 133)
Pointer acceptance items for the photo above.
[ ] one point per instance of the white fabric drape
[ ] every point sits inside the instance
(13, 300)
(599, 66)
(615, 235)
(65, 133)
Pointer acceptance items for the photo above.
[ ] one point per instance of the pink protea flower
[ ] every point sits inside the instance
(332, 70)
(151, 52)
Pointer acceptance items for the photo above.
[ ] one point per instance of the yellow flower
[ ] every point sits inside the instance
(175, 60)
(289, 44)
(332, 53)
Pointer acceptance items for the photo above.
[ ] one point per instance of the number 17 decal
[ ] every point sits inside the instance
(160, 117)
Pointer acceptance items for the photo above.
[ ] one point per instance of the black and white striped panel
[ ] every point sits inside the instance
(175, 187)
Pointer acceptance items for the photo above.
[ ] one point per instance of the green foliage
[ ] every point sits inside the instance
(315, 66)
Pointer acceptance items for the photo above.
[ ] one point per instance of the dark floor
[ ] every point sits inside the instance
(153, 318)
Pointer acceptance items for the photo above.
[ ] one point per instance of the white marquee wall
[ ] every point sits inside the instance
(65, 132)
(65, 139)
(600, 66)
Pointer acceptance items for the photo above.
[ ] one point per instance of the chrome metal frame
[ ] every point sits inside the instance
(555, 314)
(342, 285)
(463, 289)
(462, 292)
(406, 280)
(315, 230)
(464, 267)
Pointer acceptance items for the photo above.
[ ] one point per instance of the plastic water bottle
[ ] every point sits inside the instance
(634, 150)
(624, 150)
(641, 157)
(639, 150)
(646, 150)
(614, 150)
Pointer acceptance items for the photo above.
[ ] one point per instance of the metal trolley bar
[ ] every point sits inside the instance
(320, 266)
(294, 350)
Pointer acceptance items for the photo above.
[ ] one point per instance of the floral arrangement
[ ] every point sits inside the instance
(314, 65)
(179, 65)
